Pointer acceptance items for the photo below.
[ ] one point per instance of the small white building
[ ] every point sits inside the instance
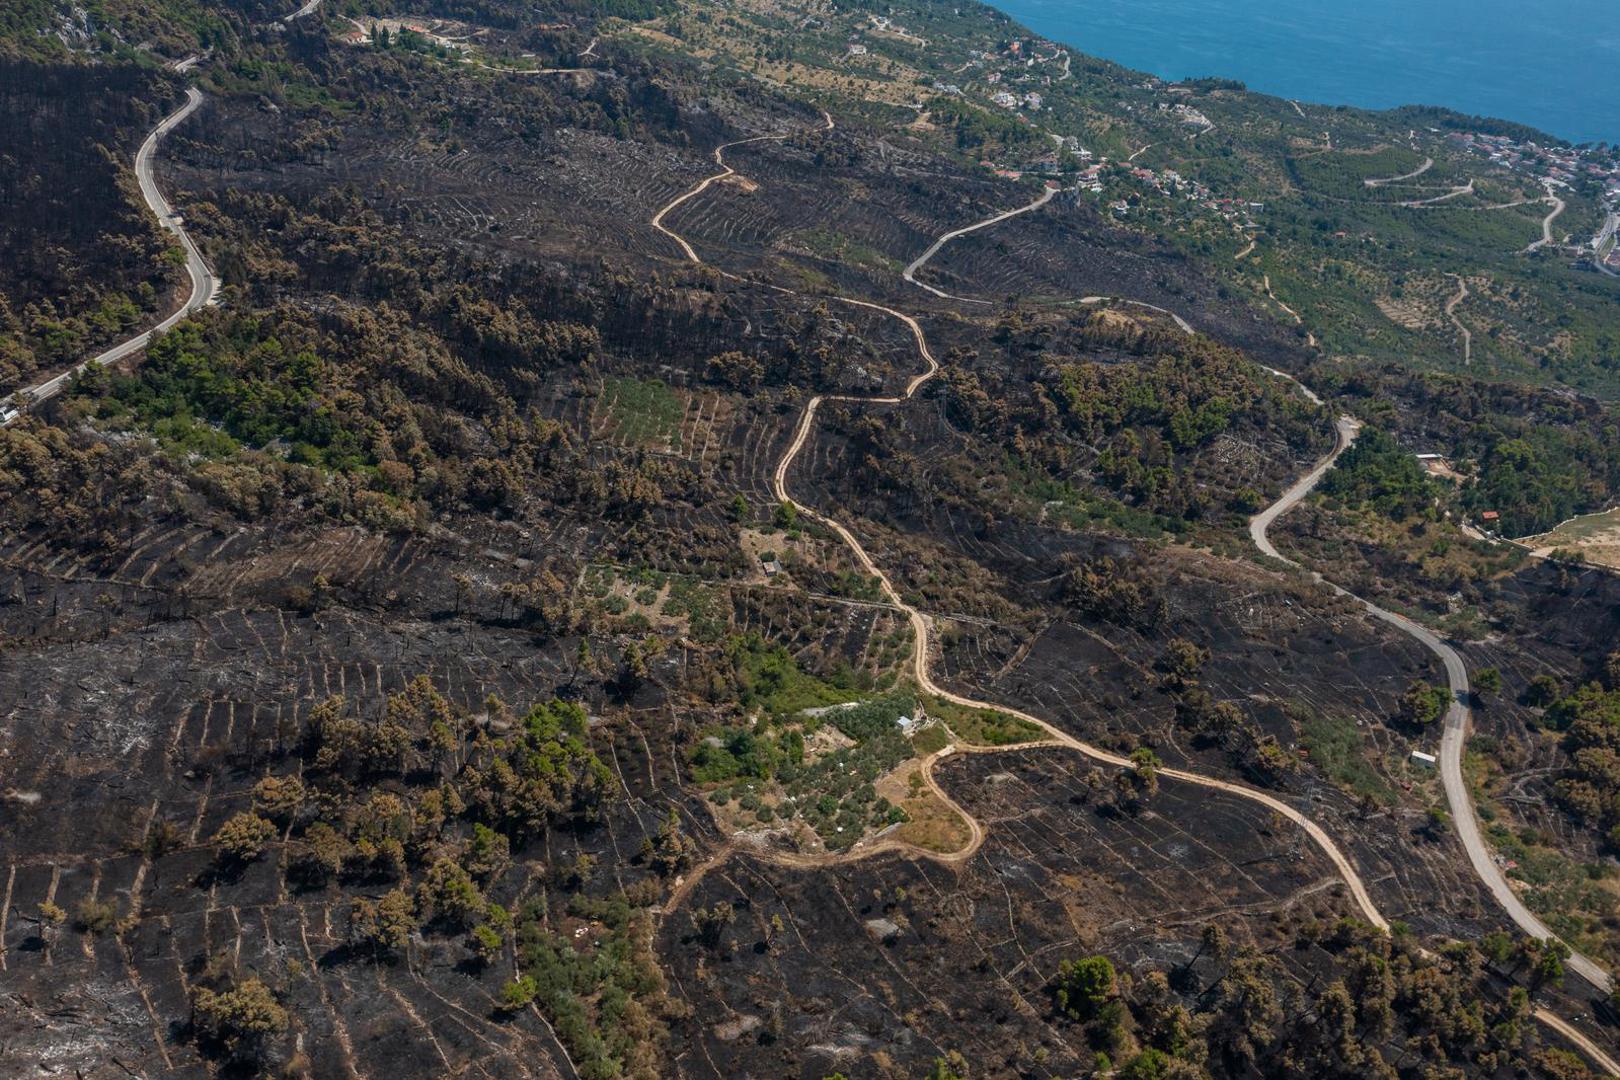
(1428, 761)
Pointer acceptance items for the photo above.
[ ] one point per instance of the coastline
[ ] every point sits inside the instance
(1327, 59)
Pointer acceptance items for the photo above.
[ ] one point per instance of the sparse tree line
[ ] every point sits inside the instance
(1589, 718)
(417, 811)
(1145, 430)
(1347, 1001)
(1537, 456)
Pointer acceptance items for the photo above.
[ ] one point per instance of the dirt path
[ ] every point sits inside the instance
(1183, 324)
(528, 71)
(1451, 313)
(1310, 337)
(909, 273)
(1546, 222)
(1346, 430)
(703, 185)
(1465, 189)
(1570, 1032)
(1428, 163)
(754, 845)
(1240, 256)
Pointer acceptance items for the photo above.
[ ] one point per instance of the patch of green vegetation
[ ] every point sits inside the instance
(30, 28)
(749, 752)
(1535, 456)
(930, 740)
(980, 130)
(1335, 744)
(983, 727)
(702, 608)
(1569, 895)
(1540, 477)
(282, 82)
(604, 995)
(408, 40)
(1063, 502)
(833, 792)
(769, 680)
(836, 246)
(632, 10)
(212, 394)
(1376, 472)
(646, 411)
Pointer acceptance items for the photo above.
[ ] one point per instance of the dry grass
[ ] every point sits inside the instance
(1595, 536)
(932, 825)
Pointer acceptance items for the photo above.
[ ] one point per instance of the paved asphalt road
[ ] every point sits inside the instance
(1457, 723)
(204, 285)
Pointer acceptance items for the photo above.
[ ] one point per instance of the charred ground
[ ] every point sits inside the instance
(362, 643)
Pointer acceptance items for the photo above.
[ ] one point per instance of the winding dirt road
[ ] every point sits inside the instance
(1428, 163)
(1310, 337)
(1451, 313)
(1465, 189)
(1182, 324)
(204, 285)
(703, 185)
(1346, 428)
(909, 273)
(921, 624)
(1546, 222)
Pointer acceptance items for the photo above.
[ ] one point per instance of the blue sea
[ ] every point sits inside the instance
(1552, 64)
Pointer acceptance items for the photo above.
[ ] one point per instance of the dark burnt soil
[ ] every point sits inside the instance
(851, 968)
(1279, 650)
(1565, 627)
(80, 256)
(171, 723)
(154, 671)
(891, 205)
(154, 684)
